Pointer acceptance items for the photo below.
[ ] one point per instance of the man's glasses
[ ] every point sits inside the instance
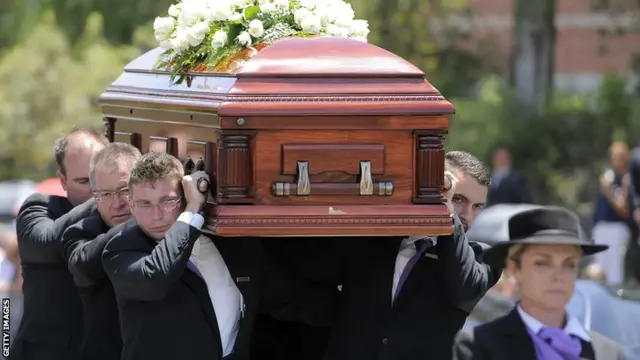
(104, 196)
(164, 206)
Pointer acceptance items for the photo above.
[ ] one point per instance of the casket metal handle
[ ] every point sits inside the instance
(303, 185)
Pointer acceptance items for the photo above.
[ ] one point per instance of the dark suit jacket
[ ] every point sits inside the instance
(429, 310)
(51, 326)
(165, 308)
(511, 190)
(83, 244)
(506, 338)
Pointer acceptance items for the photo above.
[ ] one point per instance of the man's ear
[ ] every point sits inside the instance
(63, 179)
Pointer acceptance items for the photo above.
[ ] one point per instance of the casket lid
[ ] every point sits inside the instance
(321, 75)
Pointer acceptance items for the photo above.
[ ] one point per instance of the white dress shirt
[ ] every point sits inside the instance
(225, 297)
(573, 326)
(405, 253)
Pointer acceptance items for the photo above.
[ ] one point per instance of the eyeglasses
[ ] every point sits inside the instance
(164, 206)
(103, 196)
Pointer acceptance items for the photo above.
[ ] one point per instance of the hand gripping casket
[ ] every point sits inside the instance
(316, 136)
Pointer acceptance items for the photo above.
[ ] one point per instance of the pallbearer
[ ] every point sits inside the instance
(541, 248)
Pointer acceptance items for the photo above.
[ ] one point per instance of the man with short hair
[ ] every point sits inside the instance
(182, 294)
(51, 326)
(406, 298)
(83, 245)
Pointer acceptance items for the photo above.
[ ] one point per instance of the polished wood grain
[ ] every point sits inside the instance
(355, 103)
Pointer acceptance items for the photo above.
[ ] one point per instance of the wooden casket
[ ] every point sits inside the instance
(321, 136)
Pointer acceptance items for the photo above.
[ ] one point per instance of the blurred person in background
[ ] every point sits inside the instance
(632, 255)
(611, 215)
(507, 186)
(594, 272)
(51, 326)
(541, 248)
(83, 244)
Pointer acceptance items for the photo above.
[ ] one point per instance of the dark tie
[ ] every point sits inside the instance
(566, 345)
(421, 247)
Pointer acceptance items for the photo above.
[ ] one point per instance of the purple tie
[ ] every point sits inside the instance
(566, 345)
(421, 247)
(191, 266)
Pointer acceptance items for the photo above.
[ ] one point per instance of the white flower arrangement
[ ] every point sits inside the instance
(202, 34)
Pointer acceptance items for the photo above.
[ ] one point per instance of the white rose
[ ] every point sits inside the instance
(308, 4)
(163, 27)
(192, 12)
(175, 10)
(241, 4)
(311, 24)
(343, 14)
(236, 16)
(244, 39)
(326, 14)
(197, 33)
(336, 30)
(300, 14)
(359, 28)
(267, 7)
(219, 39)
(165, 44)
(219, 11)
(256, 29)
(180, 43)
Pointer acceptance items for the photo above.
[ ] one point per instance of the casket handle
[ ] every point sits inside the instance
(303, 186)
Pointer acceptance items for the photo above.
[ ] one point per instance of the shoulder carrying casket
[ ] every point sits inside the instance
(320, 136)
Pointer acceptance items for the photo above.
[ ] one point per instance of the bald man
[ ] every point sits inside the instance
(51, 326)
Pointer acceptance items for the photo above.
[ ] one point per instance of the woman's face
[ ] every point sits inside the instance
(546, 274)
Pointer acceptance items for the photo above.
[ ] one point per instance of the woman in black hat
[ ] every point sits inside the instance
(541, 248)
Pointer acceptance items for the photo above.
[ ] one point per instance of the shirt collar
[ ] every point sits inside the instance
(411, 239)
(573, 327)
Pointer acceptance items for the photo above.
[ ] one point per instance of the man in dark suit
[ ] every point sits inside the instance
(405, 298)
(51, 325)
(181, 294)
(83, 245)
(507, 186)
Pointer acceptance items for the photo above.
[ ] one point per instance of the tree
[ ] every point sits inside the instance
(45, 90)
(533, 54)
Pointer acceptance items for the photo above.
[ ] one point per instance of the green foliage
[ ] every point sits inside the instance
(561, 152)
(46, 87)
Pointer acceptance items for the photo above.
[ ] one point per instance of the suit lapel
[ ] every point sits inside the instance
(517, 338)
(416, 278)
(588, 351)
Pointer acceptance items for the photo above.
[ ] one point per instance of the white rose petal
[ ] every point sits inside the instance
(180, 43)
(163, 27)
(308, 4)
(311, 24)
(300, 14)
(175, 10)
(267, 7)
(256, 29)
(326, 14)
(343, 14)
(336, 30)
(192, 12)
(244, 39)
(219, 11)
(359, 28)
(236, 16)
(196, 33)
(165, 44)
(219, 39)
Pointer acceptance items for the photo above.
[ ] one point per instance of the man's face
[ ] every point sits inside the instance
(156, 206)
(111, 192)
(76, 163)
(501, 158)
(468, 199)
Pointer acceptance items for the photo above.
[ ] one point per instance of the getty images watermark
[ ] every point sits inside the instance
(6, 326)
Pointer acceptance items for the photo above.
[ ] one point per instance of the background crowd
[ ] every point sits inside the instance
(547, 92)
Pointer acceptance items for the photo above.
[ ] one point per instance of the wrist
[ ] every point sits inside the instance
(194, 207)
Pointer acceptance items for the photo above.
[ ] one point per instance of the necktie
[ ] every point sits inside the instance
(566, 345)
(191, 266)
(421, 247)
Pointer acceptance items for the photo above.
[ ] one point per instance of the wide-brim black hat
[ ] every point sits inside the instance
(503, 226)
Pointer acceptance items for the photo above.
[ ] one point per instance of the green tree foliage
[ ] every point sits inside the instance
(46, 87)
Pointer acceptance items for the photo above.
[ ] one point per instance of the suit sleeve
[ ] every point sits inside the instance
(83, 245)
(40, 230)
(464, 347)
(139, 275)
(465, 279)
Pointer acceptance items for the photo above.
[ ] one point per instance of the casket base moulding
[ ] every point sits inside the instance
(309, 137)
